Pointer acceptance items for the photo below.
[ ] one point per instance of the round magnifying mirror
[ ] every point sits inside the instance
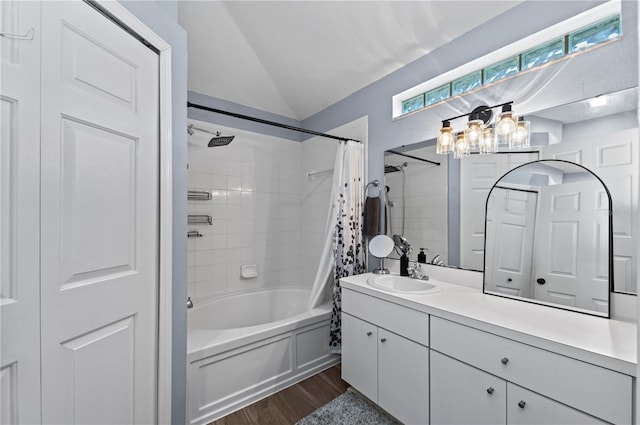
(381, 246)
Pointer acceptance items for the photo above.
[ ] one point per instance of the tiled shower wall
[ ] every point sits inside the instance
(259, 188)
(425, 199)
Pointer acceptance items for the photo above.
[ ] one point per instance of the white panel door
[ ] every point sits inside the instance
(403, 378)
(478, 173)
(20, 214)
(511, 216)
(571, 217)
(616, 161)
(99, 267)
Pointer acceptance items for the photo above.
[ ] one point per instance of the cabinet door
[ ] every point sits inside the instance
(403, 378)
(527, 407)
(462, 394)
(359, 355)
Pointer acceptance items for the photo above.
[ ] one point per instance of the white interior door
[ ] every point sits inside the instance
(478, 173)
(511, 217)
(20, 214)
(99, 222)
(572, 217)
(616, 161)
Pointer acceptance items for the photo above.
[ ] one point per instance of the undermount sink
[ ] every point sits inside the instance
(403, 284)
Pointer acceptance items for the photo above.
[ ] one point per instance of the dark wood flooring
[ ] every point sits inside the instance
(291, 404)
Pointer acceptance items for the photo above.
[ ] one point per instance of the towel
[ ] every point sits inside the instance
(371, 221)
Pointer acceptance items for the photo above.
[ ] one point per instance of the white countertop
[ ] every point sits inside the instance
(605, 342)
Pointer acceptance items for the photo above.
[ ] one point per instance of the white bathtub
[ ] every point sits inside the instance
(244, 347)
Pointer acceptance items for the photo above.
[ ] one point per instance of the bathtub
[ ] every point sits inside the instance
(244, 347)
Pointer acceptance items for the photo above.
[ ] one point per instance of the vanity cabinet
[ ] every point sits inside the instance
(385, 355)
(462, 394)
(539, 386)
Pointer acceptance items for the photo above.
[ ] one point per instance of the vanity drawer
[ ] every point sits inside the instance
(601, 392)
(411, 324)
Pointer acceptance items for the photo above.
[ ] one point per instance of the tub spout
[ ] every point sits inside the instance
(189, 302)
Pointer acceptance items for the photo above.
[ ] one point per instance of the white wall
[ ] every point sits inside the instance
(265, 210)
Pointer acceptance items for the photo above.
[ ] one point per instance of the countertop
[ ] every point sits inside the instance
(604, 342)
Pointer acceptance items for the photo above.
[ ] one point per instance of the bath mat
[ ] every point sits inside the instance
(348, 409)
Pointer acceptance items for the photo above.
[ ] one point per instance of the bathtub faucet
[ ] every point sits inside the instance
(189, 302)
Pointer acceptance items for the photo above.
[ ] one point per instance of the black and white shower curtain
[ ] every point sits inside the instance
(343, 249)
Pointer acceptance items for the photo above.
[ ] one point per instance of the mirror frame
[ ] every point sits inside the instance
(610, 248)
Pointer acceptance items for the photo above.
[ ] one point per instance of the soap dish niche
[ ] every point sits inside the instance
(248, 271)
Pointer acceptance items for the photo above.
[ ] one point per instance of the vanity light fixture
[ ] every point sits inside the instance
(481, 135)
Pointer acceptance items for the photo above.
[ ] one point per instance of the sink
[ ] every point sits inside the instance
(403, 284)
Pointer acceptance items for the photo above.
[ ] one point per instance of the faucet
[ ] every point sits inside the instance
(415, 272)
(189, 302)
(434, 260)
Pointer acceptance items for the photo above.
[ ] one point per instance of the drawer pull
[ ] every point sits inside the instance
(383, 340)
(504, 360)
(521, 404)
(369, 333)
(490, 390)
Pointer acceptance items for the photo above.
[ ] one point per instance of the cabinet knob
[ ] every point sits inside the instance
(383, 340)
(504, 360)
(490, 390)
(369, 333)
(521, 404)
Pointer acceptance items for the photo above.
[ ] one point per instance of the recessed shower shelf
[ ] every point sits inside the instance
(198, 195)
(199, 219)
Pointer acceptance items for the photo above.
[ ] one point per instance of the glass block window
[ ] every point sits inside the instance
(436, 95)
(543, 54)
(413, 104)
(466, 83)
(501, 70)
(600, 32)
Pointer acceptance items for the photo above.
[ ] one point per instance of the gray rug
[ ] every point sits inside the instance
(347, 409)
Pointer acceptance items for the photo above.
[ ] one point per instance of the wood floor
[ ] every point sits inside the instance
(291, 404)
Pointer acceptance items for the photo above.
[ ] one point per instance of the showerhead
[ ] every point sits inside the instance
(394, 168)
(220, 140)
(190, 130)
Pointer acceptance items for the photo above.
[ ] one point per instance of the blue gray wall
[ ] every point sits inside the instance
(155, 16)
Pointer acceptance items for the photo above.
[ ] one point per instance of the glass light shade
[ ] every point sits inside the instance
(506, 126)
(488, 142)
(445, 139)
(473, 132)
(522, 136)
(461, 147)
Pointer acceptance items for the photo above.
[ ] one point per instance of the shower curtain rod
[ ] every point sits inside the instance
(273, 123)
(413, 157)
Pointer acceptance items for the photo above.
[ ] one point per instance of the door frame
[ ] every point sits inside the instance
(165, 253)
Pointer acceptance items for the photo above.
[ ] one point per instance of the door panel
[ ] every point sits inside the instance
(616, 161)
(100, 220)
(359, 355)
(19, 215)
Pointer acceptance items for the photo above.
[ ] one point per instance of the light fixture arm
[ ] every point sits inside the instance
(476, 110)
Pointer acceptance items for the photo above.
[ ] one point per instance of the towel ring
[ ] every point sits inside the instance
(375, 183)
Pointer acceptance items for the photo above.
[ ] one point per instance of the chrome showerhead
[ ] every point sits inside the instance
(220, 140)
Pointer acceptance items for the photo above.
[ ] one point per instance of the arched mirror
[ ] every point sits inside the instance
(549, 237)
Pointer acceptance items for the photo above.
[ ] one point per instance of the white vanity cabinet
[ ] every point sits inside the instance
(539, 386)
(385, 355)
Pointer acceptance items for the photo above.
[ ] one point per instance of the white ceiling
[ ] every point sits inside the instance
(295, 58)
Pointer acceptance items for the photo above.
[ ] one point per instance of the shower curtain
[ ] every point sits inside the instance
(343, 253)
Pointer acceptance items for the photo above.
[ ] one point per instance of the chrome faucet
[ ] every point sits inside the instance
(189, 302)
(415, 272)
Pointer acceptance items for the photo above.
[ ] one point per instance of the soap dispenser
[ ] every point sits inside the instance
(422, 257)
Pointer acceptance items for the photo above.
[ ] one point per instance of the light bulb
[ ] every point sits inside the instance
(506, 126)
(521, 135)
(473, 132)
(488, 141)
(445, 139)
(461, 147)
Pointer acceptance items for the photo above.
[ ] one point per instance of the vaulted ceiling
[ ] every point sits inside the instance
(295, 58)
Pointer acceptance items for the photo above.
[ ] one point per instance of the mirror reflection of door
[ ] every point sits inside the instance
(571, 216)
(511, 220)
(478, 174)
